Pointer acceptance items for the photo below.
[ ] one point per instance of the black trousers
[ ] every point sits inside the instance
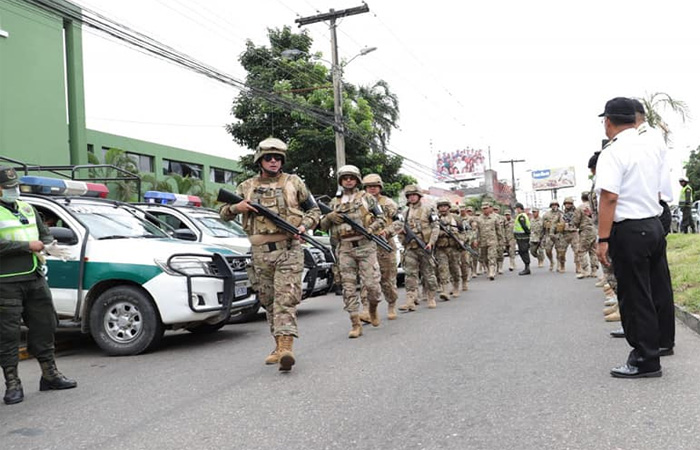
(687, 220)
(644, 291)
(524, 249)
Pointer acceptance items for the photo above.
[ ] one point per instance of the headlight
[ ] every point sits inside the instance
(185, 265)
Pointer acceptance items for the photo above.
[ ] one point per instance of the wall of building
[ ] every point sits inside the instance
(33, 113)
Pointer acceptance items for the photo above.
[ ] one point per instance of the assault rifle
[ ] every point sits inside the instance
(450, 234)
(231, 198)
(411, 236)
(380, 241)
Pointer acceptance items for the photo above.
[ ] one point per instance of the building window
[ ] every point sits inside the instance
(222, 176)
(182, 168)
(143, 162)
(91, 149)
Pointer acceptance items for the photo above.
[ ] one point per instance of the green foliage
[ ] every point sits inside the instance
(125, 191)
(654, 103)
(692, 171)
(684, 261)
(370, 114)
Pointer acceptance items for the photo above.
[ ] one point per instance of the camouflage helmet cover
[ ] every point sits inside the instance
(270, 145)
(443, 201)
(372, 179)
(554, 201)
(349, 169)
(412, 189)
(569, 200)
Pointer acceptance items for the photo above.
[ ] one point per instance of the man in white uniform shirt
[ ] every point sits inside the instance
(628, 183)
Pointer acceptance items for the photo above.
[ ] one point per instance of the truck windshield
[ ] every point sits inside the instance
(113, 222)
(221, 228)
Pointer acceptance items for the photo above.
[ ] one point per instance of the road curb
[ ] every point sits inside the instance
(691, 320)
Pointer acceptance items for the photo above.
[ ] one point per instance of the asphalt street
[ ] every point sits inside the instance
(516, 363)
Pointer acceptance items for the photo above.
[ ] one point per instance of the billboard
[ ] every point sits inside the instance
(459, 165)
(548, 179)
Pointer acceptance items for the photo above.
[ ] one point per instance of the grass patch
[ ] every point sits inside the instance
(684, 262)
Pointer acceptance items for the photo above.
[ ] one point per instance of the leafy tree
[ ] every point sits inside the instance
(122, 190)
(654, 103)
(292, 99)
(692, 170)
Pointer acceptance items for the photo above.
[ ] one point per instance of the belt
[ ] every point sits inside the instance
(354, 244)
(279, 245)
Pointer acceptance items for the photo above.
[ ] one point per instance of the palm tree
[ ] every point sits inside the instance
(660, 100)
(123, 190)
(385, 109)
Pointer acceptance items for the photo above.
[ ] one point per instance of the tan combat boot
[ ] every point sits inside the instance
(286, 354)
(391, 311)
(356, 330)
(431, 300)
(455, 289)
(443, 294)
(492, 272)
(365, 316)
(614, 317)
(562, 266)
(582, 275)
(465, 284)
(540, 263)
(551, 265)
(274, 357)
(500, 268)
(374, 317)
(610, 309)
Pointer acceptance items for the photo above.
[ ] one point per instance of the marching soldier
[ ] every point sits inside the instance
(550, 238)
(489, 234)
(510, 239)
(587, 247)
(447, 251)
(278, 258)
(536, 237)
(465, 260)
(357, 255)
(421, 220)
(495, 211)
(568, 235)
(387, 260)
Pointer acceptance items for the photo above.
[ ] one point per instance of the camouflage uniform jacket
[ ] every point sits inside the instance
(582, 219)
(421, 219)
(450, 222)
(358, 207)
(564, 223)
(509, 233)
(593, 201)
(536, 229)
(549, 220)
(489, 231)
(286, 195)
(502, 223)
(392, 223)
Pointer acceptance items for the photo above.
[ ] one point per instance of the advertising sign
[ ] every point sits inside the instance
(460, 165)
(548, 179)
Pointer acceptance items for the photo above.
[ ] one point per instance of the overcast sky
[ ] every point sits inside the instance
(527, 79)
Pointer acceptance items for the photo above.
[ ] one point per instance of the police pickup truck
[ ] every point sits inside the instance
(127, 281)
(192, 222)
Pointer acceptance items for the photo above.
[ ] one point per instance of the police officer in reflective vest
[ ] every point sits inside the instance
(521, 230)
(24, 292)
(685, 202)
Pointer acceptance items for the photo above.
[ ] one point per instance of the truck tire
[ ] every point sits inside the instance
(124, 321)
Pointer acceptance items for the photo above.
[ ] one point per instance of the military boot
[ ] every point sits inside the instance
(443, 294)
(274, 357)
(52, 379)
(286, 354)
(492, 272)
(391, 311)
(373, 315)
(356, 330)
(365, 316)
(465, 284)
(610, 309)
(525, 271)
(13, 386)
(551, 265)
(500, 268)
(614, 317)
(561, 266)
(540, 263)
(455, 289)
(431, 300)
(583, 274)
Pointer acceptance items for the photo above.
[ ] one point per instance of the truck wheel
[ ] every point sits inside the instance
(206, 328)
(124, 321)
(245, 315)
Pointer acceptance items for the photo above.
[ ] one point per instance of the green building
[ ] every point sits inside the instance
(42, 103)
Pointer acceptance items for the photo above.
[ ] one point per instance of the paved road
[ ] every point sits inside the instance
(519, 363)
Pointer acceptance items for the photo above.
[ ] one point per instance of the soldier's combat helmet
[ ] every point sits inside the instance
(569, 200)
(443, 201)
(412, 189)
(270, 146)
(349, 169)
(554, 201)
(372, 179)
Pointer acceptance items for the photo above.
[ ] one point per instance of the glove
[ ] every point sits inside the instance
(334, 217)
(53, 249)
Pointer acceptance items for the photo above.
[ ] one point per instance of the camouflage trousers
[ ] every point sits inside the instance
(537, 251)
(609, 273)
(489, 259)
(586, 252)
(466, 265)
(567, 239)
(358, 258)
(387, 270)
(448, 265)
(500, 249)
(548, 243)
(278, 279)
(511, 246)
(418, 266)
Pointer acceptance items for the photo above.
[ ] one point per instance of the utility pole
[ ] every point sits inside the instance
(331, 16)
(512, 174)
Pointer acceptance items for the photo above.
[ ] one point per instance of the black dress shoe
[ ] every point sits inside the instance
(665, 351)
(618, 333)
(627, 371)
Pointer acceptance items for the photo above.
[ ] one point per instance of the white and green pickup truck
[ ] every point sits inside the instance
(127, 281)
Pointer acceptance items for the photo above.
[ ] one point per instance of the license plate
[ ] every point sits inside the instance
(241, 291)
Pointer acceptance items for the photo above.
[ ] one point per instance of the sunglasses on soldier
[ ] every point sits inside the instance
(270, 156)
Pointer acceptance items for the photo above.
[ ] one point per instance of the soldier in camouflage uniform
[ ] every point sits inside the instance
(357, 255)
(489, 235)
(387, 260)
(496, 212)
(536, 237)
(447, 251)
(423, 221)
(466, 262)
(549, 237)
(510, 239)
(587, 245)
(277, 257)
(568, 235)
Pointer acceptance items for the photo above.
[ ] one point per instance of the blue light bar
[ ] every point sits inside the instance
(42, 185)
(163, 198)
